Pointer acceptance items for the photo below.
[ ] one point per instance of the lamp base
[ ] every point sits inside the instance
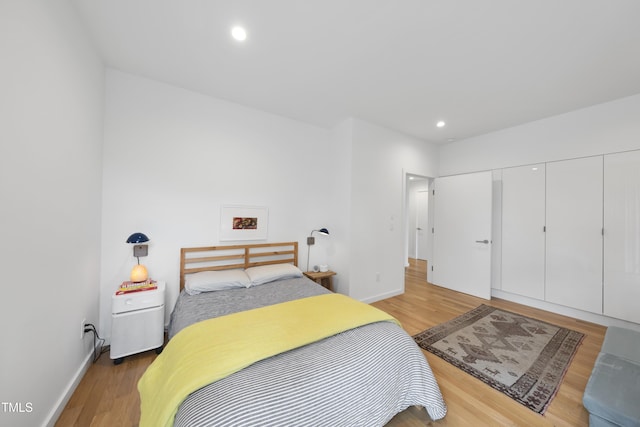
(139, 273)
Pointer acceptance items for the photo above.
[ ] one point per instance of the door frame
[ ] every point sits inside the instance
(405, 217)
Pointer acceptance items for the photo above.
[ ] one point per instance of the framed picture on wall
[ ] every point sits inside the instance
(243, 223)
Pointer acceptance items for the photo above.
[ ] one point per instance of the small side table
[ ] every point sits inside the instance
(324, 278)
(137, 322)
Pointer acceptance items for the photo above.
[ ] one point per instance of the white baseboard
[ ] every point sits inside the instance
(386, 295)
(68, 392)
(565, 311)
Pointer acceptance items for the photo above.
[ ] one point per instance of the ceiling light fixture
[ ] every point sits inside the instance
(440, 124)
(239, 33)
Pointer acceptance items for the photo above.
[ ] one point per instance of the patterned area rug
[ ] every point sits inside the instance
(523, 358)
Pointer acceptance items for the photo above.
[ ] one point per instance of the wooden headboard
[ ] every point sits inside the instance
(211, 258)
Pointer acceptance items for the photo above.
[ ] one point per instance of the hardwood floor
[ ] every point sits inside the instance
(471, 402)
(107, 395)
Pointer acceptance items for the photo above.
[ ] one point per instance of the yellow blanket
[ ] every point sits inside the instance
(213, 349)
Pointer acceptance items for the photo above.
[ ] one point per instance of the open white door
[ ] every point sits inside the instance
(462, 234)
(422, 223)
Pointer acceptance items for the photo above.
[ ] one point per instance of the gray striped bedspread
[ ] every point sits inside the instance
(360, 377)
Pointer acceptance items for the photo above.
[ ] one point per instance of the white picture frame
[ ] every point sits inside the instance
(243, 222)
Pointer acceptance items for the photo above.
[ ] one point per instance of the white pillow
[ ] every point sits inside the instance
(269, 273)
(207, 281)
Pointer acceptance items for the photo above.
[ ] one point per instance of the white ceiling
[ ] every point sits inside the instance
(404, 64)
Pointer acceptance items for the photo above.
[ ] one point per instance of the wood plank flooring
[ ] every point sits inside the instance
(471, 402)
(107, 395)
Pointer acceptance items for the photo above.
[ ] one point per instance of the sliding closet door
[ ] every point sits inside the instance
(574, 233)
(523, 236)
(622, 235)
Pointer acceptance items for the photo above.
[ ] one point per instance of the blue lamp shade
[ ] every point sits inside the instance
(137, 238)
(311, 240)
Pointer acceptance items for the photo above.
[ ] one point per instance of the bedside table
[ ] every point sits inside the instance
(137, 323)
(324, 278)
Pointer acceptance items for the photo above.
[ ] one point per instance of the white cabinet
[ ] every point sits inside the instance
(589, 257)
(137, 322)
(622, 235)
(574, 233)
(523, 236)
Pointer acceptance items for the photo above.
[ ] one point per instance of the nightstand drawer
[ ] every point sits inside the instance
(138, 300)
(137, 331)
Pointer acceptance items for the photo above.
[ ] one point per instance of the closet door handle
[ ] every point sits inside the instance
(485, 241)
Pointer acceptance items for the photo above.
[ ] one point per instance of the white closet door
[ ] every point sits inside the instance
(622, 236)
(574, 233)
(523, 236)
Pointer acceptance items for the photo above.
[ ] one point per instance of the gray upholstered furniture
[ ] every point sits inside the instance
(612, 396)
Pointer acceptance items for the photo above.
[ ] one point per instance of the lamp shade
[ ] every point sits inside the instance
(138, 238)
(323, 231)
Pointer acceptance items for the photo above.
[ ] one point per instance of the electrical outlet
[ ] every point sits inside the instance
(82, 328)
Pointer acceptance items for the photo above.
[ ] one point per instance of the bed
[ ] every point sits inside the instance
(361, 375)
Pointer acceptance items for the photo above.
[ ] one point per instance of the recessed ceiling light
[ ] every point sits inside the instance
(440, 124)
(239, 33)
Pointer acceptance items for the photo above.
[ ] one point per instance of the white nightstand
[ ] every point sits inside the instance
(137, 323)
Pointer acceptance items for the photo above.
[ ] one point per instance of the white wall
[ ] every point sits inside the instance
(380, 159)
(173, 157)
(604, 128)
(50, 188)
(339, 180)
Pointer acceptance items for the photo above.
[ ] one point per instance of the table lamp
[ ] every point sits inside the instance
(139, 271)
(312, 241)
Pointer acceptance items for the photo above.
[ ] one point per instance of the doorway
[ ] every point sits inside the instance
(418, 238)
